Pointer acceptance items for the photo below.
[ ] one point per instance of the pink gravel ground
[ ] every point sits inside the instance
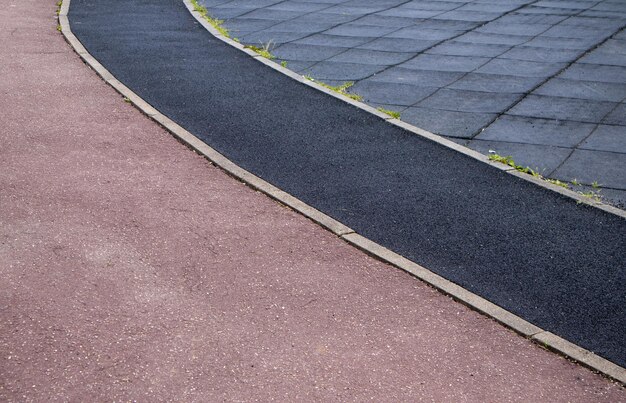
(132, 269)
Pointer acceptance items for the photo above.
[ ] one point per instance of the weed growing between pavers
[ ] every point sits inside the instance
(393, 114)
(340, 89)
(215, 23)
(264, 50)
(508, 160)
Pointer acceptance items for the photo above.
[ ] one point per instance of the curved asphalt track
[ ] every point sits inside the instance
(538, 254)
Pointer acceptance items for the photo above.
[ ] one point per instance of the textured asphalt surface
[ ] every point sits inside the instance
(543, 81)
(133, 270)
(555, 263)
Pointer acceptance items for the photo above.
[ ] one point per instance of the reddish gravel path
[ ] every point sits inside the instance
(133, 269)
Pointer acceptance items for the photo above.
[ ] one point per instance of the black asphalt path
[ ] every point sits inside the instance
(540, 255)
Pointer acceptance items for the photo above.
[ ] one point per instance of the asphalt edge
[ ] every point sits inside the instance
(458, 293)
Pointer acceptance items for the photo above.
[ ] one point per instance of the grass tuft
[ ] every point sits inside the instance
(264, 50)
(393, 114)
(340, 89)
(215, 23)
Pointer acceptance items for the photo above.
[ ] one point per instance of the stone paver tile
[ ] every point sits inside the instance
(454, 48)
(445, 63)
(453, 25)
(496, 83)
(523, 68)
(226, 13)
(333, 40)
(603, 14)
(298, 6)
(399, 45)
(392, 93)
(594, 90)
(298, 65)
(617, 6)
(617, 116)
(541, 158)
(447, 123)
(508, 28)
(359, 30)
(478, 16)
(354, 11)
(518, 129)
(578, 110)
(620, 36)
(277, 38)
(342, 71)
(573, 31)
(236, 24)
(420, 33)
(302, 52)
(276, 15)
(469, 101)
(385, 21)
(408, 12)
(612, 46)
(440, 6)
(300, 26)
(606, 138)
(591, 22)
(323, 16)
(495, 39)
(502, 7)
(548, 11)
(561, 43)
(587, 166)
(417, 77)
(575, 5)
(251, 4)
(604, 58)
(517, 18)
(535, 54)
(595, 72)
(366, 56)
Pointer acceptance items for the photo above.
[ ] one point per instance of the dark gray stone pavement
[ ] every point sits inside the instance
(542, 81)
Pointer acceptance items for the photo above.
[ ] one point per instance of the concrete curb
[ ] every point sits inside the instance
(460, 294)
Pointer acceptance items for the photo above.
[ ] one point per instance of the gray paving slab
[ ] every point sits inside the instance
(296, 25)
(451, 123)
(596, 72)
(391, 93)
(607, 168)
(522, 68)
(617, 116)
(385, 21)
(578, 110)
(550, 132)
(417, 77)
(421, 33)
(263, 37)
(454, 48)
(579, 89)
(496, 83)
(445, 63)
(333, 40)
(537, 54)
(305, 53)
(495, 39)
(360, 30)
(366, 56)
(469, 101)
(544, 159)
(509, 28)
(606, 138)
(328, 70)
(561, 43)
(399, 45)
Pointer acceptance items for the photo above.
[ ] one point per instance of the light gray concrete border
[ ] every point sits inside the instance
(510, 320)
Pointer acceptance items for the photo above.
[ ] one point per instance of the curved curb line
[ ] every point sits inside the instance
(406, 126)
(458, 293)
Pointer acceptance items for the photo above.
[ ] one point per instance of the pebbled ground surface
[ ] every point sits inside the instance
(542, 81)
(133, 270)
(540, 255)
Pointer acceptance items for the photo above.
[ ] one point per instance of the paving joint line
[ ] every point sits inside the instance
(458, 293)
